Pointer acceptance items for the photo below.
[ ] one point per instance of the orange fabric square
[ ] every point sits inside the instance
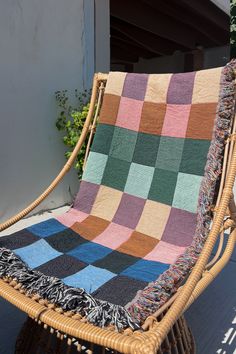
(138, 244)
(152, 118)
(91, 227)
(109, 110)
(201, 121)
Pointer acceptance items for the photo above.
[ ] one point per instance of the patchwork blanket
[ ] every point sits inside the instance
(143, 210)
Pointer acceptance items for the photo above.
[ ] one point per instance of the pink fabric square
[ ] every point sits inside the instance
(113, 236)
(165, 252)
(72, 216)
(129, 113)
(176, 120)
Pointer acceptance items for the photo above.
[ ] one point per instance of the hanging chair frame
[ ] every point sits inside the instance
(157, 326)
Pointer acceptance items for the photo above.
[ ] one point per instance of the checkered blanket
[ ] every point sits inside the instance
(136, 215)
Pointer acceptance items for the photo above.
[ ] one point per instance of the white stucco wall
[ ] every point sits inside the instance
(45, 46)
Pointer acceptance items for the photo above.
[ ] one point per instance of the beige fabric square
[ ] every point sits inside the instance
(157, 88)
(153, 219)
(207, 86)
(115, 83)
(106, 203)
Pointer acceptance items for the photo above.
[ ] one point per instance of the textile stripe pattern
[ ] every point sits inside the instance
(137, 216)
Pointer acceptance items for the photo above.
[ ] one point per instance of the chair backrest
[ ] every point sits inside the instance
(148, 157)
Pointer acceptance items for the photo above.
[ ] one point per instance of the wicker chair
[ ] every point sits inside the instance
(156, 326)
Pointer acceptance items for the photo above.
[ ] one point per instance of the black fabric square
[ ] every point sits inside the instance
(119, 290)
(116, 262)
(65, 241)
(62, 266)
(18, 239)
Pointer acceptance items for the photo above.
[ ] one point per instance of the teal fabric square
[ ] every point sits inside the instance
(102, 139)
(95, 167)
(123, 144)
(194, 156)
(170, 153)
(37, 253)
(145, 152)
(89, 278)
(139, 180)
(186, 192)
(115, 174)
(163, 186)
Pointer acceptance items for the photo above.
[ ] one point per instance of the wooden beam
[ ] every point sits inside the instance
(117, 35)
(143, 16)
(125, 56)
(207, 31)
(206, 9)
(147, 39)
(132, 48)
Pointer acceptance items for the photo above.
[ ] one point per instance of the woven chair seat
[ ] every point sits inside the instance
(144, 206)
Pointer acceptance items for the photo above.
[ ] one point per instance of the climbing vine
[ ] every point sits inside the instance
(70, 121)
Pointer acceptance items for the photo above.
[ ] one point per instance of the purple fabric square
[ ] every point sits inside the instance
(180, 89)
(85, 198)
(180, 228)
(129, 211)
(135, 86)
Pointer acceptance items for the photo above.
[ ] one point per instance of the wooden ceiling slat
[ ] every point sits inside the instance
(124, 57)
(150, 28)
(144, 38)
(206, 9)
(129, 46)
(203, 25)
(143, 16)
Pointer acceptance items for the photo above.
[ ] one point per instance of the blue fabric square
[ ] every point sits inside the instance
(37, 253)
(145, 270)
(47, 228)
(90, 252)
(89, 278)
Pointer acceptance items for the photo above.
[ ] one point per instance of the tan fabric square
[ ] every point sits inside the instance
(138, 245)
(115, 83)
(206, 86)
(106, 203)
(153, 219)
(152, 118)
(109, 110)
(91, 227)
(157, 88)
(201, 121)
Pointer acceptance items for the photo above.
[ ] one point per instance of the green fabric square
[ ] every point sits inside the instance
(102, 139)
(170, 153)
(163, 186)
(186, 192)
(123, 144)
(95, 167)
(115, 174)
(145, 152)
(139, 180)
(194, 156)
